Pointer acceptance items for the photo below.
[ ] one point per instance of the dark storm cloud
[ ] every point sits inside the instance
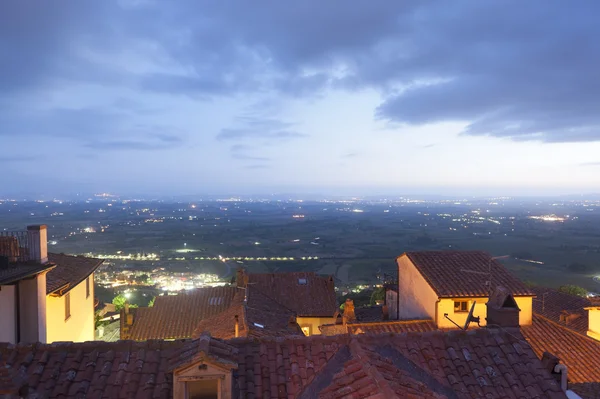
(520, 70)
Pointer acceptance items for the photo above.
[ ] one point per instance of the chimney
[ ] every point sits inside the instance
(37, 237)
(349, 315)
(385, 312)
(241, 279)
(237, 326)
(556, 369)
(502, 309)
(594, 321)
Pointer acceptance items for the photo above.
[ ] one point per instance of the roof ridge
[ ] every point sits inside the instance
(565, 328)
(384, 322)
(357, 351)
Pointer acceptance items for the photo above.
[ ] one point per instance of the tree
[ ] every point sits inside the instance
(151, 302)
(377, 295)
(119, 302)
(574, 290)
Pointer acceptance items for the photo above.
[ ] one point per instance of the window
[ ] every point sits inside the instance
(67, 305)
(87, 287)
(461, 306)
(302, 281)
(203, 389)
(306, 330)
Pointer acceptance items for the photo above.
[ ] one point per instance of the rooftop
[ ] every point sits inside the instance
(562, 308)
(458, 364)
(69, 271)
(454, 274)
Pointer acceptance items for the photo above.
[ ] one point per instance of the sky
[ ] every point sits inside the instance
(336, 97)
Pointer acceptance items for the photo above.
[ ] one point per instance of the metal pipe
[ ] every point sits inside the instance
(562, 369)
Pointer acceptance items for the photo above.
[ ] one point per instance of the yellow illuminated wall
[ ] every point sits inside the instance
(79, 326)
(594, 322)
(311, 324)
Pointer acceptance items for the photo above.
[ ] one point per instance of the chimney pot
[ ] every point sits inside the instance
(349, 315)
(37, 237)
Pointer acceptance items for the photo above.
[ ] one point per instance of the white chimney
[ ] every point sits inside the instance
(37, 237)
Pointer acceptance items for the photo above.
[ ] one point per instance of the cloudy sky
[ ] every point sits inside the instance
(364, 97)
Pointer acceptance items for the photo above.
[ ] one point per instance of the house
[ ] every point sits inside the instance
(491, 363)
(44, 297)
(274, 304)
(579, 314)
(444, 285)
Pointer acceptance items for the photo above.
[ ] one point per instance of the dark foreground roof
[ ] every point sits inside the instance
(454, 274)
(69, 271)
(477, 363)
(20, 271)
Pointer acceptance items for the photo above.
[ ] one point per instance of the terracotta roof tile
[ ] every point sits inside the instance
(304, 293)
(69, 271)
(579, 353)
(562, 308)
(454, 274)
(177, 316)
(587, 390)
(392, 326)
(123, 369)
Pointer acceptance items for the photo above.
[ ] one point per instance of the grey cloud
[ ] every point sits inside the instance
(590, 164)
(258, 166)
(240, 152)
(484, 63)
(17, 158)
(350, 155)
(428, 146)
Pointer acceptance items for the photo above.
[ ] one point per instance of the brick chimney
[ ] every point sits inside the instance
(502, 309)
(349, 315)
(37, 237)
(241, 278)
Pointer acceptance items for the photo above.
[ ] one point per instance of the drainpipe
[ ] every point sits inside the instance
(562, 369)
(237, 326)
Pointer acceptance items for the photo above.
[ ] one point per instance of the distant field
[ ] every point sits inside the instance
(355, 247)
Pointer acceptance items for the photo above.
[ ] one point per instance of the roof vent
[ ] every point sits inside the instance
(302, 281)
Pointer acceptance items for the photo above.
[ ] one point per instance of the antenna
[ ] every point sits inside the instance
(470, 318)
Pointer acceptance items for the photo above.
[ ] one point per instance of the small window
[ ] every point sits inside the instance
(302, 281)
(306, 330)
(67, 305)
(203, 389)
(87, 287)
(461, 306)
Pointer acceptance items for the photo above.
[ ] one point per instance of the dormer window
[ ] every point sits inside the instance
(302, 281)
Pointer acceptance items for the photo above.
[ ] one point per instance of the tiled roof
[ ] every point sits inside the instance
(579, 353)
(562, 308)
(177, 316)
(369, 313)
(454, 274)
(477, 363)
(305, 293)
(6, 384)
(69, 271)
(392, 326)
(19, 271)
(261, 317)
(124, 369)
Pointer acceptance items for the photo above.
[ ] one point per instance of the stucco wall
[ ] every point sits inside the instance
(314, 323)
(7, 313)
(416, 297)
(594, 323)
(525, 303)
(32, 300)
(80, 326)
(446, 305)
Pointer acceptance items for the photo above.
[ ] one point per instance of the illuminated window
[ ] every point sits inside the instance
(67, 305)
(203, 389)
(302, 281)
(461, 306)
(87, 287)
(306, 330)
